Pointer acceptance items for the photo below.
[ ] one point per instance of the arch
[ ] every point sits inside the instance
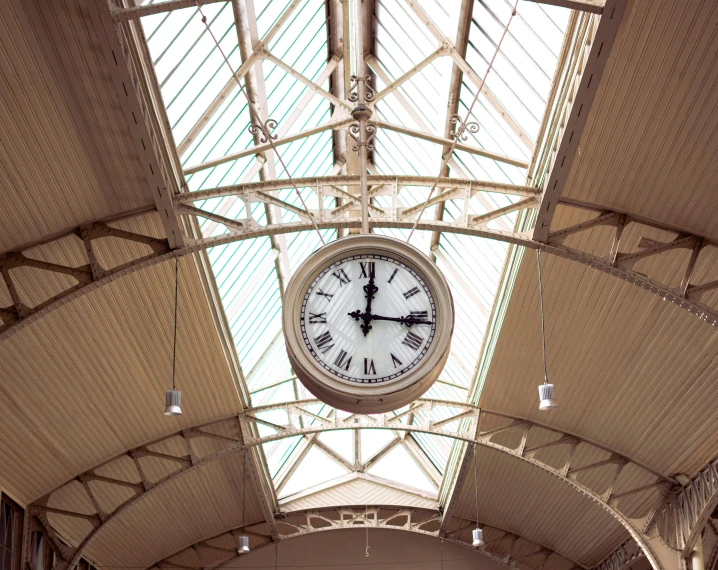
(92, 276)
(682, 519)
(409, 519)
(429, 416)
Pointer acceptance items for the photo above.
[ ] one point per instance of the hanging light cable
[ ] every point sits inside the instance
(173, 397)
(478, 532)
(257, 126)
(243, 543)
(462, 127)
(546, 390)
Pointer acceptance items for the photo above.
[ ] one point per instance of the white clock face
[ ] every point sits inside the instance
(368, 319)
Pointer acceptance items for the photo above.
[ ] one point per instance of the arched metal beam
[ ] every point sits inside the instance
(685, 513)
(410, 519)
(92, 276)
(623, 558)
(428, 416)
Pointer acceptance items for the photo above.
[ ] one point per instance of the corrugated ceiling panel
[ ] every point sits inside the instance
(193, 507)
(650, 145)
(634, 372)
(95, 383)
(61, 140)
(523, 499)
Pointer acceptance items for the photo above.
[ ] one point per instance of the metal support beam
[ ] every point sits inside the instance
(684, 514)
(119, 70)
(434, 418)
(126, 14)
(459, 60)
(452, 108)
(248, 41)
(231, 85)
(408, 519)
(580, 107)
(393, 217)
(592, 6)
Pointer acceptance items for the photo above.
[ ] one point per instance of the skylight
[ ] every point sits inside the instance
(209, 118)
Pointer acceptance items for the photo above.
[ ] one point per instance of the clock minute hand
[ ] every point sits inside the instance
(408, 321)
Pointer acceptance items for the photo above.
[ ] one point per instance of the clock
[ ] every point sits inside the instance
(367, 322)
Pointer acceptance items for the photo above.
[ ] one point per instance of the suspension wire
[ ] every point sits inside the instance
(462, 127)
(244, 486)
(276, 554)
(174, 346)
(366, 515)
(258, 122)
(476, 486)
(441, 554)
(543, 329)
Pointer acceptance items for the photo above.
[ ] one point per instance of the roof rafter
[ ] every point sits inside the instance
(246, 28)
(231, 85)
(126, 79)
(592, 6)
(472, 75)
(426, 422)
(577, 103)
(452, 108)
(687, 297)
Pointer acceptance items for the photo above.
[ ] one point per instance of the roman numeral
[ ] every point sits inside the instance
(395, 361)
(324, 342)
(323, 294)
(317, 318)
(342, 361)
(413, 341)
(364, 266)
(392, 275)
(411, 292)
(417, 315)
(343, 277)
(369, 366)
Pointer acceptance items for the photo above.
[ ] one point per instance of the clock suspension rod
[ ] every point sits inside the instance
(362, 131)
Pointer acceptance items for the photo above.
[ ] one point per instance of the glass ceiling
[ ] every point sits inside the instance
(193, 75)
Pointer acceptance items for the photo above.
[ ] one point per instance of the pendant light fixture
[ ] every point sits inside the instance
(243, 541)
(546, 391)
(478, 532)
(173, 397)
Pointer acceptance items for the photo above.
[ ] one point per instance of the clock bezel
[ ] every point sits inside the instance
(367, 397)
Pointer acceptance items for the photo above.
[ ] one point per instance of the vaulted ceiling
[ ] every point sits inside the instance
(124, 146)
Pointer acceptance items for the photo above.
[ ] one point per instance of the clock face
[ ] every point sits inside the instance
(368, 319)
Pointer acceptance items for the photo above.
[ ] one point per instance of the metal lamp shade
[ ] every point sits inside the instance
(547, 397)
(243, 544)
(173, 401)
(478, 535)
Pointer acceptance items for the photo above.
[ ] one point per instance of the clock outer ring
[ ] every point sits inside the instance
(367, 398)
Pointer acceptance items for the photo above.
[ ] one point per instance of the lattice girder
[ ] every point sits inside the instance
(626, 491)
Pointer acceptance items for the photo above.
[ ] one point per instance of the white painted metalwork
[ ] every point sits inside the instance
(456, 420)
(498, 548)
(628, 553)
(683, 516)
(19, 314)
(590, 61)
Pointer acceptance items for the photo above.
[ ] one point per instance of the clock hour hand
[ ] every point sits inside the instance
(366, 317)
